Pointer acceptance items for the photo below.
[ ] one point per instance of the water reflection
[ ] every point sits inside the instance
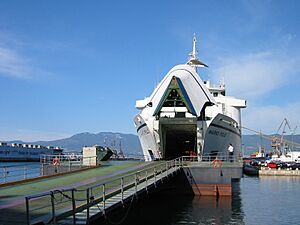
(185, 209)
(211, 210)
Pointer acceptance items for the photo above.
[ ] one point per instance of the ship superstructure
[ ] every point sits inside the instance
(185, 114)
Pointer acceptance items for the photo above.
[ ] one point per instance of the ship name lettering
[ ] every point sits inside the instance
(217, 133)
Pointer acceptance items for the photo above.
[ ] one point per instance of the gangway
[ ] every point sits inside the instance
(206, 175)
(83, 206)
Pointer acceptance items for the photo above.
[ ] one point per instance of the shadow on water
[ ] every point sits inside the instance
(176, 209)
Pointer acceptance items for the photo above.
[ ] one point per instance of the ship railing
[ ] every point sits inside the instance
(24, 171)
(225, 157)
(212, 157)
(57, 205)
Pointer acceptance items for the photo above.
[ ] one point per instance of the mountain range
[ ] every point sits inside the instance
(130, 144)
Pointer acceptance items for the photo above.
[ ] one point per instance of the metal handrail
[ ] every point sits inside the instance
(19, 171)
(211, 157)
(90, 198)
(25, 171)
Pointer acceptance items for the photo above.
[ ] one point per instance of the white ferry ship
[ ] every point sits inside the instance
(26, 152)
(185, 114)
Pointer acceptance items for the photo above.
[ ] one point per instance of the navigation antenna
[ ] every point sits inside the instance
(193, 59)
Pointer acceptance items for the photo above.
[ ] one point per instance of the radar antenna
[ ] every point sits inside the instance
(193, 59)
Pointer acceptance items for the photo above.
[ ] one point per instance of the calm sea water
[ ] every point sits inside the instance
(265, 200)
(12, 171)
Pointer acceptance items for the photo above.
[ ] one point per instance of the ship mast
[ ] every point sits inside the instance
(193, 59)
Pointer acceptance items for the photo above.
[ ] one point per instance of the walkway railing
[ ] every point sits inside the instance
(69, 202)
(64, 163)
(18, 172)
(58, 205)
(52, 164)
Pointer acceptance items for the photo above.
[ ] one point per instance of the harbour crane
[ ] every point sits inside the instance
(278, 143)
(278, 139)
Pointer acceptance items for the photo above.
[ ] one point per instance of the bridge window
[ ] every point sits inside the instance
(174, 100)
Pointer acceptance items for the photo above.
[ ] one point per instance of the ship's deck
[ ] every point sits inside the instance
(12, 198)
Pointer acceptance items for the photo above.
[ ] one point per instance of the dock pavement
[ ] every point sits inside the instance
(12, 197)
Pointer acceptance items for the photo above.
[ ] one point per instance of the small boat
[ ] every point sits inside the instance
(251, 168)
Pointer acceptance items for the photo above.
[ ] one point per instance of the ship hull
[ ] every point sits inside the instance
(181, 136)
(222, 132)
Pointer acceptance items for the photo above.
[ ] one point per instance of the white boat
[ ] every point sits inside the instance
(291, 156)
(186, 115)
(16, 152)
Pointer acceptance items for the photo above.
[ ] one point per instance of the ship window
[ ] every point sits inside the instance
(175, 96)
(215, 94)
(173, 100)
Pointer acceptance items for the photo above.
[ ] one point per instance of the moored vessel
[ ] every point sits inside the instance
(188, 116)
(26, 152)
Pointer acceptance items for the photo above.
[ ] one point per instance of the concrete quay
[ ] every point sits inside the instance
(278, 172)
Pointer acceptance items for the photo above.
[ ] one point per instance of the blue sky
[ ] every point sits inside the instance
(79, 66)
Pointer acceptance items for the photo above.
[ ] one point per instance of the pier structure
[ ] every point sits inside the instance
(91, 204)
(95, 203)
(12, 194)
(90, 195)
(264, 171)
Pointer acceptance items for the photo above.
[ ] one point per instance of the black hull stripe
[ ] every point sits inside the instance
(140, 127)
(225, 128)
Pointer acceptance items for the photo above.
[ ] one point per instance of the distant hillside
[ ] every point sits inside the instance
(130, 143)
